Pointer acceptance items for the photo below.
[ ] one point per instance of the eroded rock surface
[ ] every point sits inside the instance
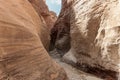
(93, 29)
(48, 19)
(60, 34)
(22, 55)
(43, 11)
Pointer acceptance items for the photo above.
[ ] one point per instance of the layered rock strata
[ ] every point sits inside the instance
(48, 19)
(22, 55)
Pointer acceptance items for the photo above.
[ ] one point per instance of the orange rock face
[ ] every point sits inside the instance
(43, 11)
(22, 55)
(48, 19)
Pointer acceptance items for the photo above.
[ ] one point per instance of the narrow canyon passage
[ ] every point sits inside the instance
(41, 41)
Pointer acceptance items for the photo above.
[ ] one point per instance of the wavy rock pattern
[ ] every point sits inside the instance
(48, 19)
(22, 55)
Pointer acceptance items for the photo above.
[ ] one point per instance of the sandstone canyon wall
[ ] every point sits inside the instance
(43, 11)
(61, 30)
(22, 55)
(48, 19)
(93, 29)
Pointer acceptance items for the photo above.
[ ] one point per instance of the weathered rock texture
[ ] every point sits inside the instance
(43, 11)
(94, 27)
(61, 30)
(22, 55)
(48, 19)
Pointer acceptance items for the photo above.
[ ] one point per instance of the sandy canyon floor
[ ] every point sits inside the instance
(72, 72)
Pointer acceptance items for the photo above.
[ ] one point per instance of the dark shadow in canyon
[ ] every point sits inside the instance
(60, 35)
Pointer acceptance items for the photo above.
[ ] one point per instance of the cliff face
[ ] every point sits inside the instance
(93, 29)
(22, 55)
(48, 19)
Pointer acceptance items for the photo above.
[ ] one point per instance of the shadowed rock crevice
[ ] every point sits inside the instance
(60, 33)
(99, 72)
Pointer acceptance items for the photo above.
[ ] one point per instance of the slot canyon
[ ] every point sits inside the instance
(81, 43)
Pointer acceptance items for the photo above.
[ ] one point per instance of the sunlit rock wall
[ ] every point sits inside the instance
(94, 32)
